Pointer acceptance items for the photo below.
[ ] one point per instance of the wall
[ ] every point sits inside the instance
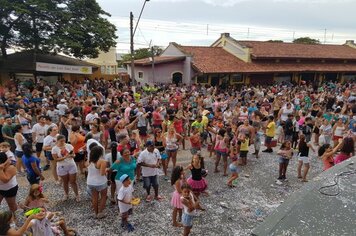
(163, 72)
(172, 51)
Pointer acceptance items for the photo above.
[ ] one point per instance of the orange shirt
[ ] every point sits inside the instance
(80, 142)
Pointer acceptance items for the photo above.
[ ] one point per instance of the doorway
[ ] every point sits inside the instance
(177, 78)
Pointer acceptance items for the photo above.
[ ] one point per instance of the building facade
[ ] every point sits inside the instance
(229, 62)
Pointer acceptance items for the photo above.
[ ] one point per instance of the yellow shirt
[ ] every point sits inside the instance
(271, 129)
(204, 121)
(244, 145)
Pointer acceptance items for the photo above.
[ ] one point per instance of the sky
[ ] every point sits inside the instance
(200, 22)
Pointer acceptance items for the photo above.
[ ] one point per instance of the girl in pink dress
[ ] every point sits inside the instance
(177, 180)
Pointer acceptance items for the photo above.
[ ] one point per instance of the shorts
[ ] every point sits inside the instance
(149, 181)
(63, 170)
(243, 154)
(33, 179)
(142, 131)
(282, 160)
(79, 157)
(48, 155)
(10, 192)
(234, 168)
(164, 155)
(98, 188)
(220, 153)
(18, 154)
(305, 160)
(268, 139)
(39, 147)
(336, 138)
(187, 220)
(126, 213)
(168, 151)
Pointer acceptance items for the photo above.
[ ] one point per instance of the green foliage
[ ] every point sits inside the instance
(306, 40)
(79, 28)
(143, 53)
(275, 41)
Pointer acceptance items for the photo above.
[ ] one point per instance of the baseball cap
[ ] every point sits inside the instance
(123, 178)
(149, 143)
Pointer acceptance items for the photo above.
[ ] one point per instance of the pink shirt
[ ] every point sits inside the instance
(340, 158)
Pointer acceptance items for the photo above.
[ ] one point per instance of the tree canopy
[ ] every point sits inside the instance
(79, 28)
(306, 40)
(143, 53)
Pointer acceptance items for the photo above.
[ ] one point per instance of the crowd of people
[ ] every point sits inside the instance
(118, 136)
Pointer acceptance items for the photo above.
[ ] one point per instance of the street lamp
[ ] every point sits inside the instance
(132, 34)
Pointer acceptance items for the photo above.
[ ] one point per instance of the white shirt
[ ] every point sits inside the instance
(41, 227)
(40, 132)
(125, 193)
(10, 155)
(63, 152)
(50, 141)
(90, 117)
(62, 108)
(89, 142)
(150, 158)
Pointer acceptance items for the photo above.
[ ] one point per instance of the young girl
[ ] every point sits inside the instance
(7, 219)
(303, 158)
(177, 180)
(196, 181)
(195, 141)
(243, 142)
(221, 148)
(285, 154)
(326, 152)
(35, 198)
(190, 204)
(234, 168)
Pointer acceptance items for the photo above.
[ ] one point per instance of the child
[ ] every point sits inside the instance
(5, 147)
(234, 168)
(303, 158)
(190, 204)
(243, 142)
(43, 225)
(196, 181)
(177, 180)
(124, 197)
(195, 141)
(286, 154)
(35, 198)
(307, 129)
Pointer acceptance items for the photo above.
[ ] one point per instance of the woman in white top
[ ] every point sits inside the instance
(338, 131)
(8, 182)
(63, 154)
(170, 142)
(19, 140)
(48, 143)
(97, 181)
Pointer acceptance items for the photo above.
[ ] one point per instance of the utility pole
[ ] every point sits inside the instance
(324, 36)
(207, 29)
(133, 80)
(153, 64)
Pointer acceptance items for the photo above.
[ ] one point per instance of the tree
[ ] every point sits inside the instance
(75, 27)
(143, 53)
(306, 40)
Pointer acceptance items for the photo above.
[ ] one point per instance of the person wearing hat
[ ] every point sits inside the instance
(150, 161)
(124, 198)
(62, 107)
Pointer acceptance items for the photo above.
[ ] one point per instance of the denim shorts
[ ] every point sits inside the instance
(234, 168)
(187, 220)
(98, 188)
(220, 153)
(150, 181)
(282, 160)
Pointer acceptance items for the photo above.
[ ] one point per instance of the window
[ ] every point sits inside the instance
(202, 79)
(236, 78)
(140, 75)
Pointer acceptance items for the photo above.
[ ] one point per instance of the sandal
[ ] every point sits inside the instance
(148, 198)
(159, 198)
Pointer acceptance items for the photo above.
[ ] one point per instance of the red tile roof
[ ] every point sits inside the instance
(158, 60)
(303, 51)
(214, 59)
(217, 60)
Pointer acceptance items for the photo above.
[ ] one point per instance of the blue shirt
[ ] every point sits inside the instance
(27, 162)
(251, 110)
(125, 168)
